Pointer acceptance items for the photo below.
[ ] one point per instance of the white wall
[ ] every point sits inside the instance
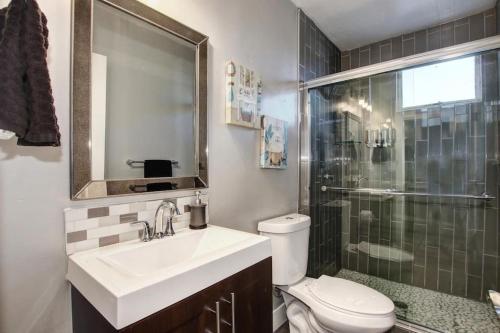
(98, 115)
(34, 182)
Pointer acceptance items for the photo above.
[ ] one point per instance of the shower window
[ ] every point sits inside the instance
(399, 168)
(443, 82)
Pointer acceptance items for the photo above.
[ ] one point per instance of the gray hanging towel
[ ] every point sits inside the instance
(26, 102)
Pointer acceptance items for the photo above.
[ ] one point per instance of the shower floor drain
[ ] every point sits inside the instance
(401, 305)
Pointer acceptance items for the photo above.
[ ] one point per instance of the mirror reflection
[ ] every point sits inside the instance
(143, 112)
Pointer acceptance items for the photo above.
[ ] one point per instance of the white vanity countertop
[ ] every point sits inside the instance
(129, 281)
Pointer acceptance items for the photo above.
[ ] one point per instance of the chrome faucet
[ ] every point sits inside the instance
(147, 232)
(160, 229)
(163, 229)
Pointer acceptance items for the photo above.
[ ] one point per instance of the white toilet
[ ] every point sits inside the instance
(326, 304)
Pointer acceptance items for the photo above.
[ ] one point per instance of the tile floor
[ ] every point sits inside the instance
(435, 310)
(438, 311)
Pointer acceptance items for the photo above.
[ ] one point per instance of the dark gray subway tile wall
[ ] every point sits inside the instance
(452, 244)
(326, 218)
(318, 57)
(459, 31)
(455, 243)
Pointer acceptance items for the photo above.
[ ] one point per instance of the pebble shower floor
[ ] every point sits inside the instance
(435, 310)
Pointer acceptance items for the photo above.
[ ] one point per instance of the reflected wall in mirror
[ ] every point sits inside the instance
(139, 101)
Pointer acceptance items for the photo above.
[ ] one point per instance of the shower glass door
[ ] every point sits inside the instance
(402, 181)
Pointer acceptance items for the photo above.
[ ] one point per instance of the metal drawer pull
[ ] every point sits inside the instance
(217, 314)
(225, 322)
(233, 319)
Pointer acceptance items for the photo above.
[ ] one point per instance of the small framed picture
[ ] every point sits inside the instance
(243, 96)
(274, 143)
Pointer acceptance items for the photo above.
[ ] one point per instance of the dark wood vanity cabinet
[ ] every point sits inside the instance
(250, 288)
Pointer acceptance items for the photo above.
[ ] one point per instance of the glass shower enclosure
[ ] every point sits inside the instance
(399, 173)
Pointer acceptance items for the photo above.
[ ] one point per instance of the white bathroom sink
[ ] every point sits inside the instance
(172, 251)
(130, 281)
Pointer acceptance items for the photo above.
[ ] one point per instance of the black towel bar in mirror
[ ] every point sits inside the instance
(140, 164)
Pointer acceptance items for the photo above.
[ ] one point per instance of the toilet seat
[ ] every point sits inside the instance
(342, 315)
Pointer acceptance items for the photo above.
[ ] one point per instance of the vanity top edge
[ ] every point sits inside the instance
(121, 282)
(123, 299)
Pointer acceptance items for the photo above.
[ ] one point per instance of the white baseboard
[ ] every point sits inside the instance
(279, 316)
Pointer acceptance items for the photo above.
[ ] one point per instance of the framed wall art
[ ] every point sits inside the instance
(274, 143)
(243, 96)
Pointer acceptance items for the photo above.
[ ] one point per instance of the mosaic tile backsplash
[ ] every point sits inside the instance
(88, 228)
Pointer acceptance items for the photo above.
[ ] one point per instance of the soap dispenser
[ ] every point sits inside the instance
(198, 214)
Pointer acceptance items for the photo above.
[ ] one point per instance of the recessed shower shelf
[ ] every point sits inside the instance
(374, 191)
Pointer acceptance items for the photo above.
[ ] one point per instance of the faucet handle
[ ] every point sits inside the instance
(169, 227)
(173, 209)
(146, 233)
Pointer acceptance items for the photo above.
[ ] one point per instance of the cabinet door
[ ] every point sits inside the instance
(191, 315)
(254, 311)
(252, 301)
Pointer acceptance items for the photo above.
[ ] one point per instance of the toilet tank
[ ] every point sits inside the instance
(289, 236)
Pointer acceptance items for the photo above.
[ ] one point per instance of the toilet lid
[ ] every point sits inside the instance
(350, 296)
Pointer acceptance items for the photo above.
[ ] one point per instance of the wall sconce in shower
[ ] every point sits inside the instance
(378, 138)
(365, 105)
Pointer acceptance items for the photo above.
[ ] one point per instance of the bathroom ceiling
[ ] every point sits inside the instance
(354, 23)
